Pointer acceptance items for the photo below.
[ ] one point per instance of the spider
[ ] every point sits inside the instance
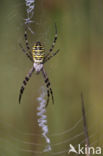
(38, 58)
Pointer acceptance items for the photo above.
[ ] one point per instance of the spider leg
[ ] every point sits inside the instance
(49, 57)
(49, 90)
(48, 95)
(27, 43)
(25, 82)
(54, 41)
(55, 38)
(25, 52)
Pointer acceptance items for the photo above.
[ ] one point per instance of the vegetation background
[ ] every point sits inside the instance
(77, 68)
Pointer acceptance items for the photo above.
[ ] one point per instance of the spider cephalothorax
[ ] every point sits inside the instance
(38, 57)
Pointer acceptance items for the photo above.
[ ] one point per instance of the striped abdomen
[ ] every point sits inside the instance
(38, 53)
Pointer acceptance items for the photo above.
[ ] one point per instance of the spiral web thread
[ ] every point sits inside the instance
(42, 121)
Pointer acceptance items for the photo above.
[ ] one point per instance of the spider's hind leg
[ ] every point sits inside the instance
(49, 90)
(25, 83)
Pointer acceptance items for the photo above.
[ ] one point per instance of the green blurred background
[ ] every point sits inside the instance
(77, 68)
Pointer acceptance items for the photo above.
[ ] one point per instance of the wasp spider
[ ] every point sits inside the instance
(38, 57)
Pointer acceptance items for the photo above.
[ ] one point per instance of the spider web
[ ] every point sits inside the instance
(13, 140)
(30, 6)
(68, 136)
(18, 143)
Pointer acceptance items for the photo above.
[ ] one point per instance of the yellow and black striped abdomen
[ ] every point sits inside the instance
(38, 53)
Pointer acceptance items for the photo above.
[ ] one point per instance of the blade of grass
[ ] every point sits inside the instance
(85, 124)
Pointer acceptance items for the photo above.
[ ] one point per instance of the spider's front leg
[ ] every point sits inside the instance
(47, 82)
(25, 82)
(26, 53)
(55, 38)
(27, 43)
(54, 42)
(49, 57)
